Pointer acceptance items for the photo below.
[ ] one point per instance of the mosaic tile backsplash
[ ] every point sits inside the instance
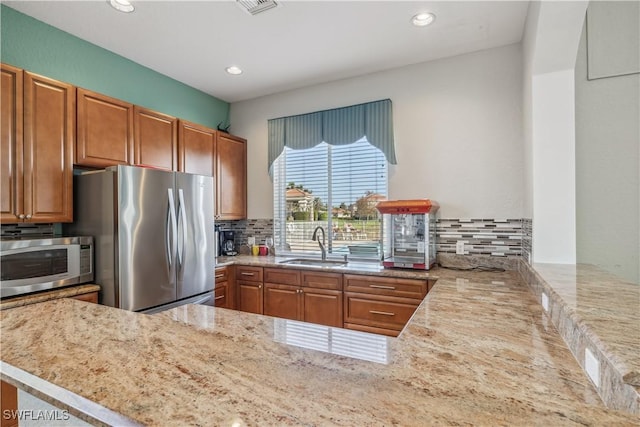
(494, 237)
(527, 236)
(488, 237)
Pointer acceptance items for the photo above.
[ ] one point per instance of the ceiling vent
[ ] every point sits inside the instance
(256, 6)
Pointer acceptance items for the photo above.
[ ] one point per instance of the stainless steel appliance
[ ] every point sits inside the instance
(154, 235)
(409, 233)
(32, 263)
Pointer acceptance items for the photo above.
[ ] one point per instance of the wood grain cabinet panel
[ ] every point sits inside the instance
(11, 143)
(155, 140)
(38, 130)
(49, 133)
(89, 297)
(308, 296)
(249, 292)
(9, 403)
(225, 288)
(231, 177)
(105, 130)
(196, 148)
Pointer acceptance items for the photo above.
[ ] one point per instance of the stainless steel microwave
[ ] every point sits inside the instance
(30, 264)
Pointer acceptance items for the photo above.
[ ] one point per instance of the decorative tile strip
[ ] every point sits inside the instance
(527, 236)
(492, 237)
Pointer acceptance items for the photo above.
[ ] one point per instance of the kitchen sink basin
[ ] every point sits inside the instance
(314, 262)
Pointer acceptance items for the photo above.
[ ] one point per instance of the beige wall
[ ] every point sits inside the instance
(458, 131)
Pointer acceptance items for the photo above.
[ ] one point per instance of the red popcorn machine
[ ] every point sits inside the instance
(408, 233)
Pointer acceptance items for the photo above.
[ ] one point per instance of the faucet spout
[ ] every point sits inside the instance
(322, 243)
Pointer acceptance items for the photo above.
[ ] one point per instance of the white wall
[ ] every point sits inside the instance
(550, 44)
(607, 168)
(458, 131)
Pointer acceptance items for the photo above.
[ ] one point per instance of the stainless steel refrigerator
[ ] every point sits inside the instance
(154, 235)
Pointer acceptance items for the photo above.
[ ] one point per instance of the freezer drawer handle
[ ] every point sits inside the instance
(384, 313)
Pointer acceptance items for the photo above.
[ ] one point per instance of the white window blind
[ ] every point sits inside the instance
(332, 186)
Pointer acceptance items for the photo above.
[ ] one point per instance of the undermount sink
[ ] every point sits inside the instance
(304, 261)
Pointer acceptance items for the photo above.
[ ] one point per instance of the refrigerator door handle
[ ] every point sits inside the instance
(182, 221)
(171, 233)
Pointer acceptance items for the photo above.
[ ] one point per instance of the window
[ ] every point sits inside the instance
(335, 187)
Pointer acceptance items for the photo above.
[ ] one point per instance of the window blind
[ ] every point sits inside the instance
(334, 187)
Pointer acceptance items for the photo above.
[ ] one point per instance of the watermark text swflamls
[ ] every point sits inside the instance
(36, 414)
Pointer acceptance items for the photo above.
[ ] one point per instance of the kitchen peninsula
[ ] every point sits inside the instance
(478, 350)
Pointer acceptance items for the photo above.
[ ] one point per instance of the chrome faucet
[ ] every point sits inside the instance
(320, 243)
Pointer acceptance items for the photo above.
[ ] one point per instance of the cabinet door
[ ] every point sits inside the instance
(11, 144)
(9, 399)
(322, 306)
(282, 301)
(196, 148)
(249, 296)
(231, 177)
(105, 130)
(49, 133)
(156, 139)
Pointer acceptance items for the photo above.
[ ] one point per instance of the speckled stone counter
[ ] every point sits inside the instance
(594, 310)
(351, 268)
(478, 350)
(66, 292)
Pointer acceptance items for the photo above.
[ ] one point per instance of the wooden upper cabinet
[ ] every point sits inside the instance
(156, 139)
(231, 177)
(196, 148)
(105, 130)
(10, 143)
(38, 130)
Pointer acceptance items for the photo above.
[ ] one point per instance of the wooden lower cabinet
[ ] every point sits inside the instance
(249, 296)
(282, 301)
(9, 404)
(322, 306)
(225, 288)
(308, 296)
(379, 304)
(90, 297)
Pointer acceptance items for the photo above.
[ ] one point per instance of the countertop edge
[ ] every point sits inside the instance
(77, 406)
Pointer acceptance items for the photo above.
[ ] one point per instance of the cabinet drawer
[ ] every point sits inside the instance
(314, 279)
(222, 274)
(381, 312)
(406, 288)
(282, 276)
(248, 273)
(221, 295)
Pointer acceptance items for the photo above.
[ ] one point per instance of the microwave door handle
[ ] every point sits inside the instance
(171, 234)
(182, 220)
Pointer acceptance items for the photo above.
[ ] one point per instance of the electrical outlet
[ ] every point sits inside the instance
(545, 301)
(592, 367)
(251, 240)
(460, 247)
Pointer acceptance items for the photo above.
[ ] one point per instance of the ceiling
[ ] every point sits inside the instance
(297, 44)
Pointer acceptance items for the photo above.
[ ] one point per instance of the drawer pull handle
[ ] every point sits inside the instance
(218, 276)
(219, 297)
(247, 274)
(382, 287)
(384, 313)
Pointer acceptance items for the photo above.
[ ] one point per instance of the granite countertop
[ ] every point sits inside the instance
(353, 267)
(478, 350)
(66, 292)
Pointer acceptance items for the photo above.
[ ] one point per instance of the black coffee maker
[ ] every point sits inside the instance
(227, 243)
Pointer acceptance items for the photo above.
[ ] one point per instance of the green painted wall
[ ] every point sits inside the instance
(38, 47)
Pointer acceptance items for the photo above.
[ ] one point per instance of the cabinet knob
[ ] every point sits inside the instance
(29, 216)
(259, 286)
(21, 216)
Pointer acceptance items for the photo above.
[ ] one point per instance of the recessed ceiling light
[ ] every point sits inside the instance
(122, 5)
(234, 70)
(423, 19)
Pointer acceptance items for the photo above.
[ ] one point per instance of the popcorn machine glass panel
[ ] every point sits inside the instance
(409, 233)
